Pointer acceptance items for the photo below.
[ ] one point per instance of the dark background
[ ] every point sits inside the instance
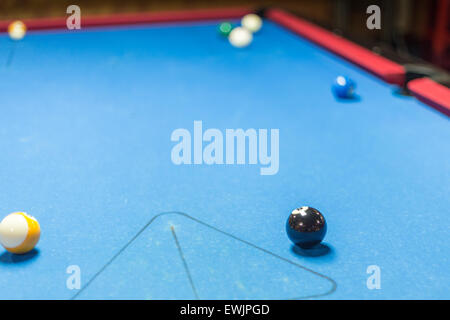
(408, 30)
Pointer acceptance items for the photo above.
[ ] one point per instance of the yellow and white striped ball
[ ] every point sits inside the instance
(17, 30)
(19, 232)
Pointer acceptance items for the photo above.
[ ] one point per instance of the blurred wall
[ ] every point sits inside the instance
(407, 25)
(318, 9)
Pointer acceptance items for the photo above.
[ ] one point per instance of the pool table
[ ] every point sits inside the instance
(86, 146)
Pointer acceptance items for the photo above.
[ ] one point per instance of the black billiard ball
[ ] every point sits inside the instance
(306, 227)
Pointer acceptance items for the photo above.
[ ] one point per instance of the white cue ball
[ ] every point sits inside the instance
(251, 22)
(240, 37)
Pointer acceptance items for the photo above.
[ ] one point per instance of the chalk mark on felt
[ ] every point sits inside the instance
(110, 261)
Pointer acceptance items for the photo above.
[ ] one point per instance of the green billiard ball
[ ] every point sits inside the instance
(225, 28)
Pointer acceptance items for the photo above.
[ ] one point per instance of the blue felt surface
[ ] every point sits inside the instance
(85, 126)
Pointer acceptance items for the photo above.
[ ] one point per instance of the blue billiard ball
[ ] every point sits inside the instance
(306, 227)
(344, 87)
